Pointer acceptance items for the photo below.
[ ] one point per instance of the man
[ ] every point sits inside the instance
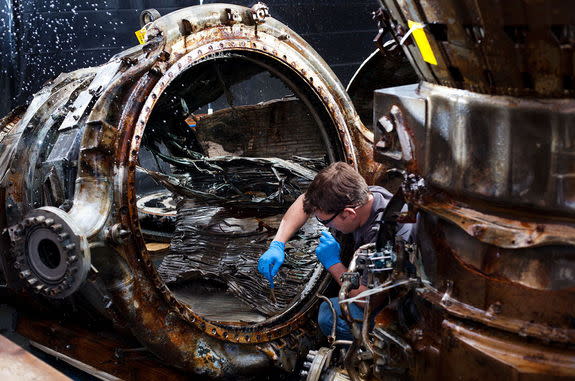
(340, 199)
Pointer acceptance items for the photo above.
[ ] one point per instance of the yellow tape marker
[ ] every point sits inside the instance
(422, 42)
(141, 35)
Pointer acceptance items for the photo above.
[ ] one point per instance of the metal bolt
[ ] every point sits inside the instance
(118, 233)
(164, 56)
(19, 231)
(24, 274)
(259, 13)
(385, 124)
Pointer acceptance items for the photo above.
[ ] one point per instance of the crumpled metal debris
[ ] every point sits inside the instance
(231, 180)
(212, 244)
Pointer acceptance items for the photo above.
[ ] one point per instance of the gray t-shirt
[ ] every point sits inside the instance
(366, 233)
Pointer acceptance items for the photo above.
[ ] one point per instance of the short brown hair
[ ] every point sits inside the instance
(334, 188)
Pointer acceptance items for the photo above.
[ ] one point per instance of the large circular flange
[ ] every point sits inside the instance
(51, 256)
(320, 86)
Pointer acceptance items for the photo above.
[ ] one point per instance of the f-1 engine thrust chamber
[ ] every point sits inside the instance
(246, 152)
(149, 186)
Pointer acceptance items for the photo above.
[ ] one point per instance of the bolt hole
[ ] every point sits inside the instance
(439, 31)
(49, 253)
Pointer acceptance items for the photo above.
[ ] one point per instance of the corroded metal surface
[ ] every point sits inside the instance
(505, 232)
(77, 148)
(489, 178)
(517, 48)
(484, 144)
(209, 244)
(523, 158)
(502, 355)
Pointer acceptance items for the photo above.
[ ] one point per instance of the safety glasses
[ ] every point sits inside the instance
(325, 222)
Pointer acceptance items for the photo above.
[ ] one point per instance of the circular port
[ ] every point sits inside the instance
(229, 145)
(49, 253)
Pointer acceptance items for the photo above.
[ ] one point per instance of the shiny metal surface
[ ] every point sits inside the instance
(77, 146)
(516, 48)
(505, 149)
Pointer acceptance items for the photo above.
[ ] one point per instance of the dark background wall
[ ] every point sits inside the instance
(42, 38)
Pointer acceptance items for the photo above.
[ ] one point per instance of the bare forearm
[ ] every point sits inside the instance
(292, 221)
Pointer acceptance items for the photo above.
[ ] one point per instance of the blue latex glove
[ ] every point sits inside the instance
(327, 252)
(271, 261)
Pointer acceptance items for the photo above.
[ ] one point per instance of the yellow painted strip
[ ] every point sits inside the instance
(141, 34)
(422, 42)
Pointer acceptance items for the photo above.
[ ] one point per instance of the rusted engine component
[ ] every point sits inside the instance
(485, 146)
(380, 69)
(514, 161)
(50, 253)
(72, 158)
(379, 351)
(516, 48)
(234, 245)
(230, 180)
(494, 228)
(488, 170)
